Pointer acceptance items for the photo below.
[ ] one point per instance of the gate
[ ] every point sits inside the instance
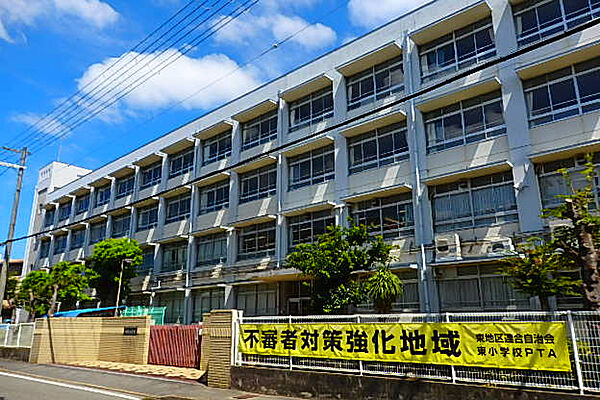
(175, 345)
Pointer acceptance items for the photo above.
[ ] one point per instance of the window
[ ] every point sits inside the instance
(97, 232)
(311, 168)
(60, 244)
(259, 130)
(465, 122)
(147, 260)
(44, 248)
(481, 201)
(391, 217)
(535, 20)
(64, 211)
(377, 148)
(207, 300)
(375, 83)
(82, 204)
(125, 186)
(457, 50)
(49, 218)
(408, 299)
(311, 109)
(477, 288)
(216, 148)
(174, 308)
(257, 241)
(553, 184)
(174, 257)
(561, 94)
(151, 175)
(181, 163)
(147, 218)
(214, 197)
(257, 299)
(212, 250)
(178, 208)
(120, 226)
(258, 184)
(307, 227)
(102, 196)
(77, 239)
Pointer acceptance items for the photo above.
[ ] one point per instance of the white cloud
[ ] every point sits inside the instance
(180, 81)
(369, 13)
(17, 13)
(314, 36)
(49, 126)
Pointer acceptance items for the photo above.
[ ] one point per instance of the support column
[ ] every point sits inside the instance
(340, 144)
(108, 233)
(113, 192)
(133, 222)
(229, 300)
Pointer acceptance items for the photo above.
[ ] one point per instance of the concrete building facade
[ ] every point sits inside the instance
(455, 177)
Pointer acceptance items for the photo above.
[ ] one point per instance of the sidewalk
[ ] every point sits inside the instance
(142, 386)
(190, 374)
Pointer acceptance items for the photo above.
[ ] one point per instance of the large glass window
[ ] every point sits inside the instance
(535, 20)
(181, 163)
(120, 226)
(82, 204)
(147, 217)
(257, 300)
(375, 83)
(465, 122)
(125, 186)
(49, 218)
(307, 227)
(482, 201)
(553, 184)
(374, 149)
(178, 208)
(151, 175)
(147, 260)
(457, 50)
(174, 257)
(214, 197)
(259, 130)
(477, 288)
(207, 300)
(216, 148)
(311, 109)
(97, 232)
(60, 244)
(212, 250)
(311, 168)
(391, 217)
(64, 211)
(44, 248)
(257, 241)
(174, 306)
(77, 238)
(561, 94)
(102, 196)
(258, 184)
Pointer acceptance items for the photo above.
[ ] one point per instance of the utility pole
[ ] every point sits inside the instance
(13, 218)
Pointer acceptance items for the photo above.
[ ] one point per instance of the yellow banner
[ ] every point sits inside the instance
(517, 345)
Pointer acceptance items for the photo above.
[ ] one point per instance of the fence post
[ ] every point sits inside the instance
(235, 323)
(575, 350)
(360, 363)
(291, 357)
(452, 366)
(19, 335)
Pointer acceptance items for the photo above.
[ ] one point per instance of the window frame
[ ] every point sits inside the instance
(215, 187)
(223, 142)
(215, 241)
(371, 74)
(262, 138)
(377, 135)
(62, 240)
(256, 230)
(323, 153)
(313, 118)
(186, 157)
(102, 226)
(154, 172)
(125, 186)
(125, 227)
(49, 216)
(44, 249)
(260, 193)
(64, 211)
(75, 244)
(310, 218)
(180, 216)
(147, 211)
(182, 252)
(361, 211)
(79, 200)
(102, 196)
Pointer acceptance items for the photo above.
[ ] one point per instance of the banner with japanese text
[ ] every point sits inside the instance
(517, 345)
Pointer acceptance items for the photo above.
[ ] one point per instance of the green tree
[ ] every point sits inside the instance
(383, 288)
(333, 263)
(539, 271)
(108, 258)
(34, 293)
(68, 283)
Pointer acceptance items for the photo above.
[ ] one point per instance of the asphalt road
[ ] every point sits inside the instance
(20, 387)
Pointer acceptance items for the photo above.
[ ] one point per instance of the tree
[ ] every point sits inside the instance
(34, 293)
(539, 271)
(106, 261)
(384, 287)
(333, 262)
(68, 282)
(9, 304)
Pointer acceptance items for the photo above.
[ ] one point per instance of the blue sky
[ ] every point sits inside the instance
(51, 48)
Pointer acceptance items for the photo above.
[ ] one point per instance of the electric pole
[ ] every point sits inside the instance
(13, 218)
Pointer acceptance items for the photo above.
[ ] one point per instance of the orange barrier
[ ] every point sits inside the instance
(175, 345)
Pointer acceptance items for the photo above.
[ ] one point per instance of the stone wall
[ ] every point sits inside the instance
(15, 353)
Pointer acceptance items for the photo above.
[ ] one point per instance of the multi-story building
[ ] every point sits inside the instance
(454, 177)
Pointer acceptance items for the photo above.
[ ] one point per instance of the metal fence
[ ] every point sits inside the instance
(583, 330)
(18, 335)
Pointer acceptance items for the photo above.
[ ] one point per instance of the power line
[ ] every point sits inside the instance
(434, 86)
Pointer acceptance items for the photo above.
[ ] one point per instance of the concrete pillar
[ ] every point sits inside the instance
(234, 197)
(194, 208)
(86, 240)
(113, 192)
(157, 259)
(55, 222)
(229, 297)
(341, 143)
(108, 233)
(51, 249)
(137, 181)
(280, 251)
(164, 175)
(133, 222)
(188, 307)
(283, 121)
(72, 216)
(236, 142)
(68, 245)
(232, 245)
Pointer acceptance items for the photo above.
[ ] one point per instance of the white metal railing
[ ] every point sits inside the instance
(583, 329)
(17, 335)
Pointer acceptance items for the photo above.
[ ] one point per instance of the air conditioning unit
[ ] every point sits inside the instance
(500, 247)
(447, 248)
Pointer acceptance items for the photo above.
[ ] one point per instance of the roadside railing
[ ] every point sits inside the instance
(582, 336)
(16, 335)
